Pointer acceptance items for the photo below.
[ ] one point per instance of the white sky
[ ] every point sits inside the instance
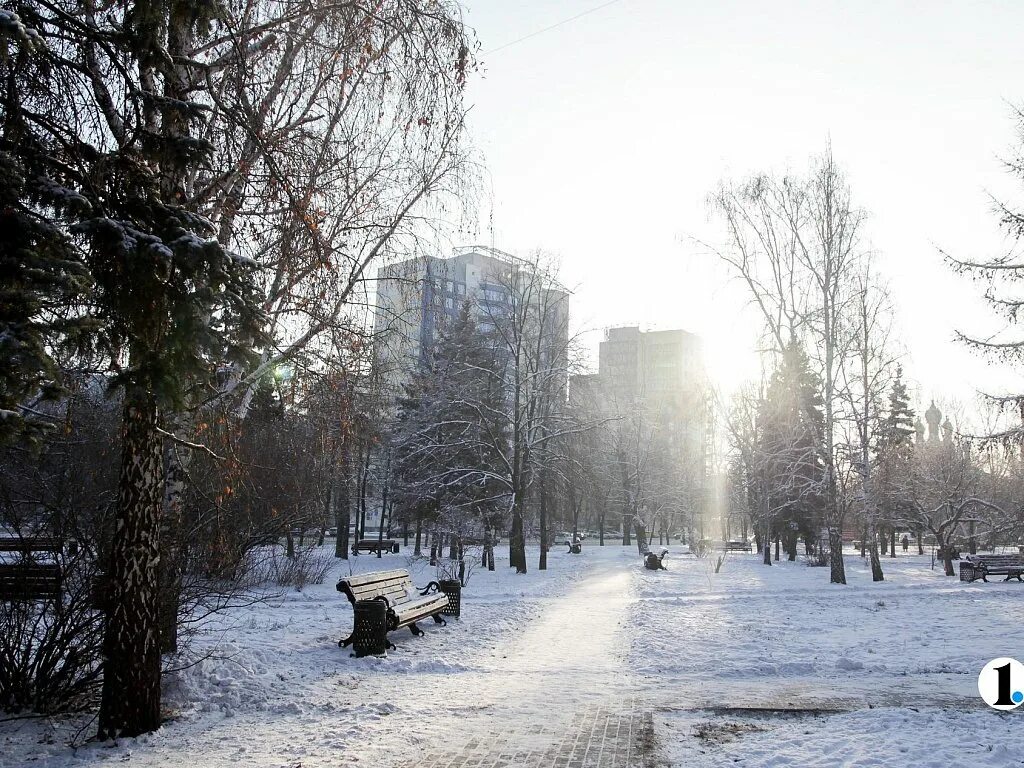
(604, 136)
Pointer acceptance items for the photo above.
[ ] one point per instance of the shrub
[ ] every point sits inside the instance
(50, 652)
(308, 566)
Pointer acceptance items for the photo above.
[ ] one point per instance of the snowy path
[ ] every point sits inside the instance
(531, 696)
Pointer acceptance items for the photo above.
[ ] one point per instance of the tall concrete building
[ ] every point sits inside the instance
(656, 368)
(418, 297)
(658, 380)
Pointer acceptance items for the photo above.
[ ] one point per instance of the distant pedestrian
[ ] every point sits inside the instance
(906, 542)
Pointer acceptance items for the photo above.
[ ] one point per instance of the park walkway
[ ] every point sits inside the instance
(559, 696)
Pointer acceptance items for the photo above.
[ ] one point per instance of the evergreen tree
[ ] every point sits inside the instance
(100, 112)
(790, 424)
(450, 428)
(41, 278)
(894, 454)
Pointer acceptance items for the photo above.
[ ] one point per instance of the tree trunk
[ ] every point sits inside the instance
(625, 529)
(517, 536)
(876, 563)
(172, 547)
(334, 510)
(641, 535)
(542, 565)
(489, 548)
(485, 555)
(344, 508)
(383, 512)
(837, 569)
(418, 549)
(363, 483)
(130, 699)
(920, 543)
(777, 538)
(344, 520)
(892, 541)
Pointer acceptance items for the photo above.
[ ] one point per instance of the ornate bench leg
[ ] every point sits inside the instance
(346, 641)
(415, 630)
(438, 620)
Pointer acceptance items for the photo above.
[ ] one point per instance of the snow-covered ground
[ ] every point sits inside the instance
(755, 666)
(774, 666)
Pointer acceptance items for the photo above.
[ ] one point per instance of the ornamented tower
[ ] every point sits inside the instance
(933, 415)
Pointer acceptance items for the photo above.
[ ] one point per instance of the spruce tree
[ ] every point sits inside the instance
(790, 424)
(894, 454)
(101, 113)
(42, 277)
(450, 430)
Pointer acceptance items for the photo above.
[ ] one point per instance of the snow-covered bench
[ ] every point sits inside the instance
(981, 566)
(31, 574)
(404, 605)
(738, 546)
(372, 545)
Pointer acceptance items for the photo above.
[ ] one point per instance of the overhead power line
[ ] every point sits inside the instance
(553, 26)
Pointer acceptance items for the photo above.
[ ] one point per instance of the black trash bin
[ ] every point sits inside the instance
(452, 588)
(370, 633)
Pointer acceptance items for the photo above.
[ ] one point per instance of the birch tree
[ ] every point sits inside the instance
(863, 383)
(794, 243)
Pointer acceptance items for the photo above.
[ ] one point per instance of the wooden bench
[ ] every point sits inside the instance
(32, 577)
(983, 566)
(372, 545)
(404, 603)
(738, 546)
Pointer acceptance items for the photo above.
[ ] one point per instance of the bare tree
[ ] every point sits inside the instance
(795, 245)
(863, 384)
(948, 489)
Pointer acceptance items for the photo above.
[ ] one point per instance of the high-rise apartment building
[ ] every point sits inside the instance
(656, 382)
(418, 297)
(656, 368)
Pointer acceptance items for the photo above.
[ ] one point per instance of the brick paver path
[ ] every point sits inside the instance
(619, 735)
(556, 698)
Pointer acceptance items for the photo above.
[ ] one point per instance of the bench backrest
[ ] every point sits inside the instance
(394, 585)
(26, 545)
(997, 561)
